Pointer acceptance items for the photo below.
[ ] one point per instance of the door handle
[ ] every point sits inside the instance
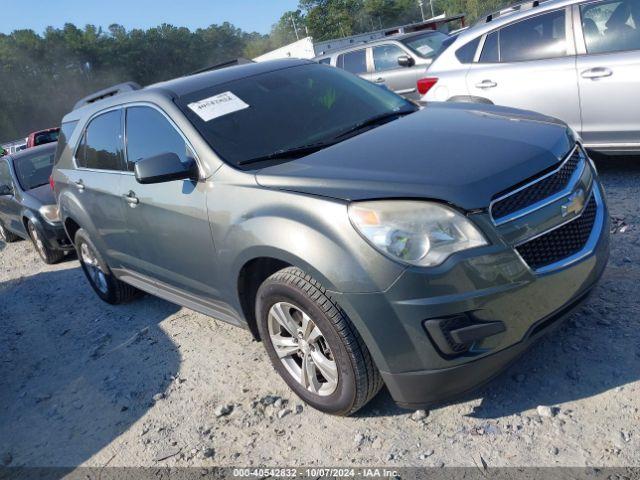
(379, 80)
(597, 72)
(486, 84)
(80, 185)
(131, 198)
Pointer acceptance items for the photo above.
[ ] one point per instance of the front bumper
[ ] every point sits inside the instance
(55, 236)
(487, 285)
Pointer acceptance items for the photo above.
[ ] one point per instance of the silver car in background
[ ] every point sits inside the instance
(396, 62)
(578, 61)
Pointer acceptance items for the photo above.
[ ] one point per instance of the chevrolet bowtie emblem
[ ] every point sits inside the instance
(574, 203)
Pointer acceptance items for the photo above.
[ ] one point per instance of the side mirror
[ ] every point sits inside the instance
(5, 190)
(406, 61)
(165, 167)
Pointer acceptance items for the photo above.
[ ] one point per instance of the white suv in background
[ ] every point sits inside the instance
(578, 61)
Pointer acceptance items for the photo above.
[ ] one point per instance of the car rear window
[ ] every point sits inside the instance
(284, 109)
(427, 45)
(34, 170)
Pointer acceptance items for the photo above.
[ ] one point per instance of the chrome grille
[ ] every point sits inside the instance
(538, 190)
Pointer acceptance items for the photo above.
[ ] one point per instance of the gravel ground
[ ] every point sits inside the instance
(146, 384)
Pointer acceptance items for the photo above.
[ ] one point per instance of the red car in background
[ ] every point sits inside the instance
(41, 137)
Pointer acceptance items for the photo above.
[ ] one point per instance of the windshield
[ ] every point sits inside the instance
(427, 45)
(34, 170)
(283, 110)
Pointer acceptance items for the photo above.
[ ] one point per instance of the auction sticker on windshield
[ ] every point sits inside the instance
(217, 106)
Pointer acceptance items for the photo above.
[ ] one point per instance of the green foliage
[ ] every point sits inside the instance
(42, 76)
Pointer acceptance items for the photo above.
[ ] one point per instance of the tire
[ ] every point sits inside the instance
(7, 236)
(47, 254)
(100, 276)
(291, 294)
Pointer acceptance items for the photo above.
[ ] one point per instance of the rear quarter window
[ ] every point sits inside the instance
(66, 130)
(467, 53)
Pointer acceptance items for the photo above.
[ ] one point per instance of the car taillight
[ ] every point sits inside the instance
(425, 84)
(52, 184)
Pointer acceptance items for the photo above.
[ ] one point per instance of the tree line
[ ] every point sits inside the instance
(43, 75)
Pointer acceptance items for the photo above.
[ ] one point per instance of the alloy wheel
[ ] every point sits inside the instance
(302, 349)
(37, 240)
(93, 267)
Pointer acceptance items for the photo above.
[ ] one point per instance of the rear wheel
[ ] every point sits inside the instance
(7, 236)
(313, 345)
(48, 254)
(100, 276)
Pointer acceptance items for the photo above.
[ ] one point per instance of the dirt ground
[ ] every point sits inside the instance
(152, 384)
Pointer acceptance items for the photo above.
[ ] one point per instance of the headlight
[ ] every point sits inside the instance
(50, 213)
(416, 232)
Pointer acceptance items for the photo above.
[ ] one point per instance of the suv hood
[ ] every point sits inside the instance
(458, 153)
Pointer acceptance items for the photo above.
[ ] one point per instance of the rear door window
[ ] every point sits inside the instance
(537, 38)
(101, 147)
(354, 62)
(149, 133)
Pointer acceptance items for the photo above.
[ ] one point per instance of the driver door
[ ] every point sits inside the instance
(387, 70)
(168, 221)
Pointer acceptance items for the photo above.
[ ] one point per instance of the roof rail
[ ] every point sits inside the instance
(512, 8)
(106, 93)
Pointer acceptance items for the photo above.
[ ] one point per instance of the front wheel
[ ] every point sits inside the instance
(48, 254)
(100, 276)
(313, 345)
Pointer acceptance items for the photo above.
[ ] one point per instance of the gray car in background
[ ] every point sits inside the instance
(578, 61)
(365, 241)
(396, 62)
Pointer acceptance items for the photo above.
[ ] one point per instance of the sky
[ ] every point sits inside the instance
(250, 15)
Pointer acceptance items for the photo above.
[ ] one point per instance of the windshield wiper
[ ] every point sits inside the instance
(295, 152)
(374, 121)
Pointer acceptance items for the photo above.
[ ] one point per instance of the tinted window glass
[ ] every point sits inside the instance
(325, 61)
(534, 39)
(102, 143)
(45, 137)
(290, 108)
(427, 45)
(385, 57)
(354, 62)
(466, 53)
(34, 170)
(490, 49)
(5, 174)
(66, 130)
(149, 134)
(611, 26)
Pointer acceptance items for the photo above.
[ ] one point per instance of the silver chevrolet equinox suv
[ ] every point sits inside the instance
(364, 240)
